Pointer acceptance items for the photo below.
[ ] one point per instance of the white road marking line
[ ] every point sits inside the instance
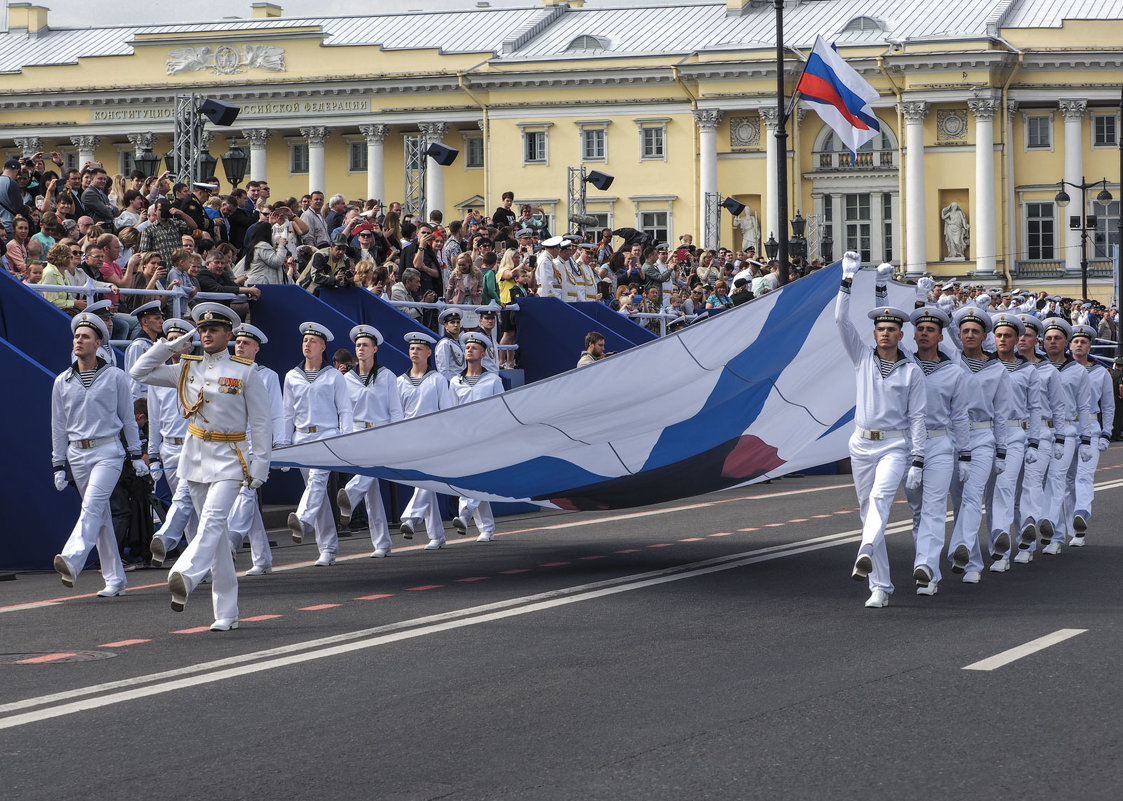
(1031, 647)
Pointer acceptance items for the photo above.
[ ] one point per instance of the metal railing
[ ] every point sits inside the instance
(92, 288)
(440, 305)
(665, 318)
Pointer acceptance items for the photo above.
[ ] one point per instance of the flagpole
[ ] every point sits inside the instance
(781, 148)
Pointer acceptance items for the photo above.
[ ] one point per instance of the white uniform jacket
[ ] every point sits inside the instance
(137, 348)
(226, 406)
(431, 395)
(376, 402)
(988, 398)
(1052, 402)
(165, 423)
(448, 357)
(1103, 396)
(1025, 395)
(548, 277)
(97, 413)
(486, 385)
(1077, 390)
(324, 404)
(946, 401)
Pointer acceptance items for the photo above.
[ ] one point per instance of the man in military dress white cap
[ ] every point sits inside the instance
(547, 272)
(448, 356)
(151, 318)
(223, 398)
(90, 406)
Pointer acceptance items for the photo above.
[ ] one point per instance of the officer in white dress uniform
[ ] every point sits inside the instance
(90, 405)
(1080, 427)
(889, 428)
(245, 517)
(317, 406)
(448, 356)
(223, 398)
(1103, 407)
(167, 432)
(423, 391)
(549, 278)
(151, 318)
(473, 384)
(376, 402)
(489, 319)
(573, 282)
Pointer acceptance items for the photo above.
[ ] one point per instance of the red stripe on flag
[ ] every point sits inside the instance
(814, 87)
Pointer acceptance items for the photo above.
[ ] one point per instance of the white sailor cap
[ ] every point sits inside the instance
(554, 242)
(948, 286)
(888, 314)
(571, 238)
(177, 324)
(316, 330)
(1015, 291)
(251, 331)
(1003, 318)
(151, 307)
(90, 321)
(368, 331)
(1084, 331)
(447, 315)
(214, 314)
(972, 314)
(197, 185)
(491, 309)
(1085, 305)
(1058, 324)
(477, 337)
(930, 314)
(1032, 321)
(419, 338)
(101, 307)
(522, 233)
(1054, 298)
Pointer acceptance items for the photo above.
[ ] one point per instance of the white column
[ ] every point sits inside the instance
(258, 139)
(984, 242)
(1073, 112)
(770, 121)
(1012, 242)
(376, 175)
(434, 172)
(707, 120)
(316, 169)
(29, 145)
(87, 148)
(916, 218)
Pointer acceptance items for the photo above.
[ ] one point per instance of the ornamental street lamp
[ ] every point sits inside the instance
(234, 163)
(798, 240)
(1084, 221)
(147, 162)
(771, 247)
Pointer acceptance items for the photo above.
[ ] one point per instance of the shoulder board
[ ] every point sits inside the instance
(241, 360)
(191, 357)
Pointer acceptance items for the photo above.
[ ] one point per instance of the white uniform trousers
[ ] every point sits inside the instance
(1085, 483)
(1000, 490)
(210, 550)
(480, 511)
(367, 488)
(181, 518)
(96, 471)
(929, 504)
(1030, 495)
(878, 467)
(245, 520)
(967, 498)
(1060, 494)
(422, 507)
(314, 508)
(169, 456)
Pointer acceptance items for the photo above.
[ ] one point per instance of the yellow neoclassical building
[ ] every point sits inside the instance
(985, 105)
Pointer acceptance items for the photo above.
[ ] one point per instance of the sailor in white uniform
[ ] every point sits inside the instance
(547, 273)
(317, 406)
(224, 400)
(167, 433)
(245, 517)
(889, 432)
(1103, 407)
(91, 405)
(151, 318)
(448, 356)
(1080, 427)
(489, 320)
(473, 384)
(376, 401)
(423, 391)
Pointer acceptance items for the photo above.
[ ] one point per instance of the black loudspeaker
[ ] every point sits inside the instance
(734, 207)
(218, 112)
(442, 154)
(600, 180)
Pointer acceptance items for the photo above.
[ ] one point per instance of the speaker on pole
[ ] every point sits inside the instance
(600, 180)
(442, 154)
(734, 207)
(218, 112)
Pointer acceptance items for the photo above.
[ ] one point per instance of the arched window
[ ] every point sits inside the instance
(587, 42)
(861, 24)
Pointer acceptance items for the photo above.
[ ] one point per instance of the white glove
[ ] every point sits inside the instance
(885, 271)
(982, 301)
(851, 261)
(1085, 452)
(156, 470)
(183, 344)
(285, 469)
(1102, 444)
(60, 480)
(999, 465)
(140, 467)
(255, 483)
(914, 478)
(1058, 450)
(964, 472)
(1030, 455)
(923, 287)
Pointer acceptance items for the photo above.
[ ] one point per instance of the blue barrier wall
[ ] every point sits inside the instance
(551, 337)
(621, 324)
(363, 307)
(37, 518)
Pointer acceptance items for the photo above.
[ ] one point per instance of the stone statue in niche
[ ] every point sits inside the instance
(956, 231)
(750, 229)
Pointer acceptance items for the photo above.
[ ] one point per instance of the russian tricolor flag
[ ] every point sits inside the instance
(841, 96)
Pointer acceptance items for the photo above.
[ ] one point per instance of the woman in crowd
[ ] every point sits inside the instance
(17, 246)
(266, 257)
(707, 271)
(720, 298)
(465, 283)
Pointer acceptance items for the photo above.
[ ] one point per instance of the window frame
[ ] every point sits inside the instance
(295, 147)
(1053, 232)
(536, 129)
(1029, 119)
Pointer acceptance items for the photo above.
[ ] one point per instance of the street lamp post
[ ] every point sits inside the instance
(1062, 199)
(781, 147)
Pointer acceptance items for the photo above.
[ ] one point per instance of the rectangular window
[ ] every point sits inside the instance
(298, 158)
(70, 160)
(1040, 232)
(1039, 132)
(1104, 130)
(1107, 229)
(887, 227)
(534, 147)
(592, 144)
(603, 220)
(655, 223)
(652, 143)
(473, 152)
(857, 224)
(357, 157)
(128, 162)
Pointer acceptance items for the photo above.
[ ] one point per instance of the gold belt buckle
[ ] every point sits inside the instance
(85, 444)
(311, 429)
(368, 425)
(875, 435)
(207, 436)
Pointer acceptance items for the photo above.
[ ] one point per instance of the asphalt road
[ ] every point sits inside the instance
(713, 648)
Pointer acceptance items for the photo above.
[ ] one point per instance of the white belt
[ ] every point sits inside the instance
(363, 424)
(86, 444)
(977, 424)
(315, 429)
(1047, 421)
(936, 432)
(875, 434)
(1022, 424)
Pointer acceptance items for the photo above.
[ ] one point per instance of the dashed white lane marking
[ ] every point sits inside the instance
(1031, 647)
